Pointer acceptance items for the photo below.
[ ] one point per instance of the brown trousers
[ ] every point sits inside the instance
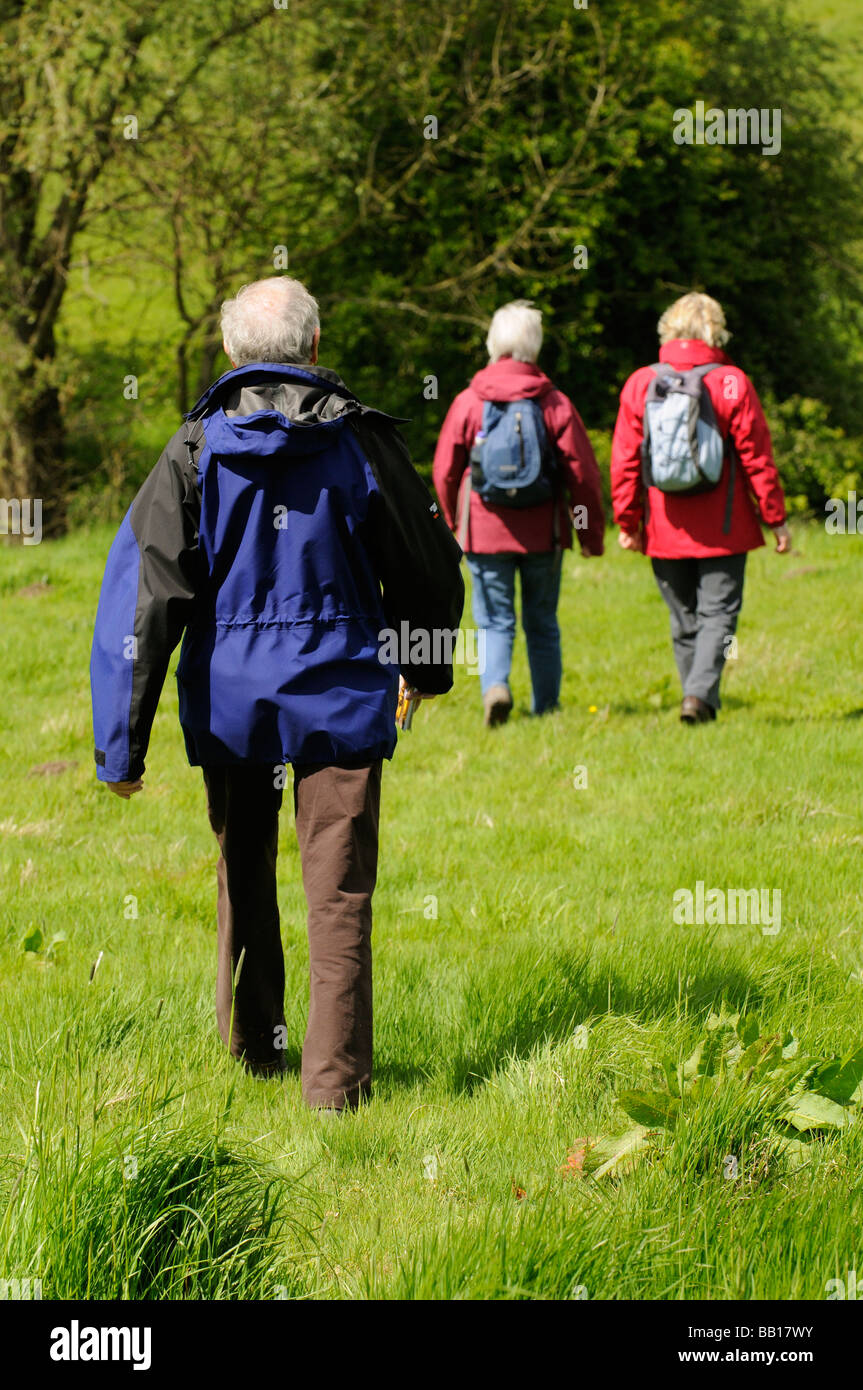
(337, 816)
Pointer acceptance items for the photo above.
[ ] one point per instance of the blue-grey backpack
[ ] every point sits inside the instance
(511, 462)
(683, 451)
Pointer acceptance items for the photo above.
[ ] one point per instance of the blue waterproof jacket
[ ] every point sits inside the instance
(282, 531)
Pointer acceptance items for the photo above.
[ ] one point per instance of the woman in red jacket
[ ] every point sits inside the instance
(698, 542)
(500, 540)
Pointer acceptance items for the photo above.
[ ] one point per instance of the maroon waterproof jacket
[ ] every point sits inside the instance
(690, 527)
(519, 530)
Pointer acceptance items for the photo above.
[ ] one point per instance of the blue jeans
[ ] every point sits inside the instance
(494, 613)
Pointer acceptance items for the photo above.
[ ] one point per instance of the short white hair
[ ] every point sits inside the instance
(515, 331)
(273, 320)
(694, 316)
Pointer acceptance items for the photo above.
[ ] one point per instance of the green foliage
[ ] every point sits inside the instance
(816, 459)
(794, 1095)
(554, 131)
(39, 949)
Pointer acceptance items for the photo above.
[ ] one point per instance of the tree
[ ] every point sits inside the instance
(77, 82)
(420, 165)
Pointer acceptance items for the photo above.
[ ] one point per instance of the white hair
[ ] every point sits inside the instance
(694, 316)
(273, 320)
(515, 331)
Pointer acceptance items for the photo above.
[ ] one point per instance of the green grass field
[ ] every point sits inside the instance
(137, 1160)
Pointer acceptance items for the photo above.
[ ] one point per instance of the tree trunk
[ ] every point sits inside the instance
(207, 354)
(207, 364)
(32, 462)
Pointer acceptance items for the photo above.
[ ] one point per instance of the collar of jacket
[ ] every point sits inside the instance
(261, 372)
(691, 352)
(509, 379)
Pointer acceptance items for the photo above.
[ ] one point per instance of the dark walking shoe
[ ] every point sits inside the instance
(263, 1070)
(541, 713)
(497, 703)
(695, 711)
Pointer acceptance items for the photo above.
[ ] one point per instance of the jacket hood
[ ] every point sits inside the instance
(691, 352)
(509, 380)
(272, 408)
(262, 433)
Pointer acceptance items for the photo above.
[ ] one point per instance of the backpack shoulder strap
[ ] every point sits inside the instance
(729, 496)
(702, 371)
(194, 446)
(464, 520)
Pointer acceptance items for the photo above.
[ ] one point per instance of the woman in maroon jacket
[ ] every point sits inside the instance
(698, 549)
(500, 540)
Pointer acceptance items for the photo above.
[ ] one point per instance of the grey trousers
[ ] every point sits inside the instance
(703, 599)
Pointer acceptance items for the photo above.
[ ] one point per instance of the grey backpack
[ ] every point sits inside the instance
(682, 450)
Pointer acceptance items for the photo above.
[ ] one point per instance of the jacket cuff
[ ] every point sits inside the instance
(431, 680)
(112, 772)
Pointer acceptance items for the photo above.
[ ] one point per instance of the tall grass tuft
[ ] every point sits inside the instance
(157, 1207)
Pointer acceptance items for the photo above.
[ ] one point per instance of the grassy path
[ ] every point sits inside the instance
(135, 1159)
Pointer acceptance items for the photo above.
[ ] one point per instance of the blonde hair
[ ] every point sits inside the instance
(694, 316)
(515, 331)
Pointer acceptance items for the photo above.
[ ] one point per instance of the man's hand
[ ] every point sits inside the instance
(630, 540)
(410, 700)
(783, 539)
(125, 789)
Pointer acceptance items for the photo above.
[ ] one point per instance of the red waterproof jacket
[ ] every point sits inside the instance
(678, 528)
(519, 530)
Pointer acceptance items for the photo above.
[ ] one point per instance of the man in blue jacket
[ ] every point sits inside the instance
(282, 530)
